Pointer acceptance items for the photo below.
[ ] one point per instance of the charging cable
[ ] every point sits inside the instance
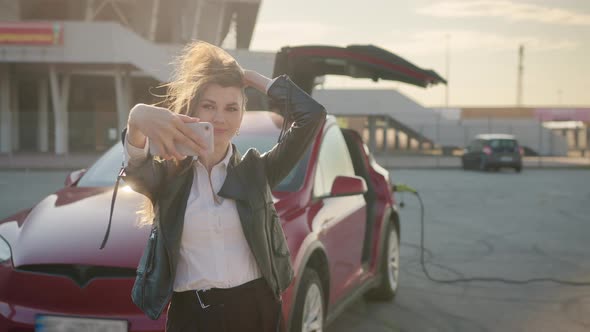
(402, 188)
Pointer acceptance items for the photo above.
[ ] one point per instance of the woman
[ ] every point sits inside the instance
(216, 251)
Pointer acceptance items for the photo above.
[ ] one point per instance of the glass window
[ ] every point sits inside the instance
(104, 171)
(294, 180)
(477, 145)
(334, 160)
(503, 145)
(318, 184)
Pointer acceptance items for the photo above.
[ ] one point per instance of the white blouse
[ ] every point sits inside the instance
(213, 248)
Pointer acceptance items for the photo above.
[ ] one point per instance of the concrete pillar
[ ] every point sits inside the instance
(15, 113)
(60, 92)
(384, 145)
(551, 145)
(43, 117)
(5, 114)
(408, 142)
(154, 20)
(396, 142)
(197, 17)
(89, 10)
(219, 28)
(372, 130)
(421, 145)
(245, 23)
(10, 10)
(123, 95)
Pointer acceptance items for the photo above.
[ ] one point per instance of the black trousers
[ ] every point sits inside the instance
(248, 307)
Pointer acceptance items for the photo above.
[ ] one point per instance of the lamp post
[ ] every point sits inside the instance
(447, 65)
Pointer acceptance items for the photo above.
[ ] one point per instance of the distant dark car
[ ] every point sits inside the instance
(493, 151)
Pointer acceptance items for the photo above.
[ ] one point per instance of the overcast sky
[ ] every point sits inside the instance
(483, 43)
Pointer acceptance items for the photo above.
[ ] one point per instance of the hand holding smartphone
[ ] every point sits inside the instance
(203, 129)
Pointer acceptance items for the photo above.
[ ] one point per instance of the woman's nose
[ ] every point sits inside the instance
(218, 117)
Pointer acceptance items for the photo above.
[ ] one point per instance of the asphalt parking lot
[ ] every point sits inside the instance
(517, 226)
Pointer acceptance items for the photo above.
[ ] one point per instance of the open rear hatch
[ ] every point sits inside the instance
(304, 63)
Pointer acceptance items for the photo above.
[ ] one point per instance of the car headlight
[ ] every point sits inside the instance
(5, 252)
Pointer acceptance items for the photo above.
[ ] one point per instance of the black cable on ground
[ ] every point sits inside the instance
(404, 188)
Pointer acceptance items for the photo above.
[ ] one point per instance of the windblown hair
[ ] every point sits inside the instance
(199, 65)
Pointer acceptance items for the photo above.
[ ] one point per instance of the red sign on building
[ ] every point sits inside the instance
(563, 114)
(25, 33)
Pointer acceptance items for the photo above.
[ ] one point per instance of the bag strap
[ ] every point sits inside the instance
(108, 231)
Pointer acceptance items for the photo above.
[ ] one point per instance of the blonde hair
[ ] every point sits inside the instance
(199, 65)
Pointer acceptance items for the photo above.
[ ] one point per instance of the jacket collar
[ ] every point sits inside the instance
(226, 159)
(234, 186)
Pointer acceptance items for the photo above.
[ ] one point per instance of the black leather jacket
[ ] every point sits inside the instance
(249, 181)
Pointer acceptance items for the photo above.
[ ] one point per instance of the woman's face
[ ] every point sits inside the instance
(221, 106)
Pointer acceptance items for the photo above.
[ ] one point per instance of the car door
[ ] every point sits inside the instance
(340, 221)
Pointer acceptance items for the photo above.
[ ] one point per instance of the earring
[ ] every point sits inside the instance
(238, 132)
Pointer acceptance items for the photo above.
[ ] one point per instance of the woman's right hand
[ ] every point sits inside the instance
(165, 129)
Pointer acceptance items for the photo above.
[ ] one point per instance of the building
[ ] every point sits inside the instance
(71, 69)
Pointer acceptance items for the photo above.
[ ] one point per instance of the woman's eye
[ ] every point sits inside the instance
(232, 109)
(208, 106)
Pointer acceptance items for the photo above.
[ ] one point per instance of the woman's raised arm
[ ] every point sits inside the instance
(308, 117)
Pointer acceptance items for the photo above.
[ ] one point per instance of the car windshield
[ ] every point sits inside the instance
(503, 145)
(104, 171)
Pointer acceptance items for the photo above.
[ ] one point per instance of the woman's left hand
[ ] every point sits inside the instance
(255, 80)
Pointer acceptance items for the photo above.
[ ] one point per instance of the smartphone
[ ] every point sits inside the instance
(203, 129)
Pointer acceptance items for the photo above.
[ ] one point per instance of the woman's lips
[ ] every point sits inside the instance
(219, 131)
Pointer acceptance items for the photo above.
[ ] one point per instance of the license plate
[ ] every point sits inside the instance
(505, 158)
(48, 323)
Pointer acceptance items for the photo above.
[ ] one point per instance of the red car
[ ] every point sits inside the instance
(336, 208)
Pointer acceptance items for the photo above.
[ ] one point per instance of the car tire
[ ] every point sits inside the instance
(518, 169)
(389, 266)
(308, 314)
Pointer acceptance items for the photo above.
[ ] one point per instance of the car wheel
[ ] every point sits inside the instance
(387, 288)
(308, 315)
(518, 169)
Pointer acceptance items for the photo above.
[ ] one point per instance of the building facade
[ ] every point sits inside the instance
(70, 70)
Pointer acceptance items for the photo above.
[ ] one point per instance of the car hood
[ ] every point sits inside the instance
(68, 227)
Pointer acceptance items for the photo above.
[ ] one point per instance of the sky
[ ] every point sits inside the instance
(483, 37)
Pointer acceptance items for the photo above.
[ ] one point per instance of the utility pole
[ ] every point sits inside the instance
(519, 78)
(447, 64)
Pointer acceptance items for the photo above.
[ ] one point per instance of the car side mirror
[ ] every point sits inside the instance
(348, 185)
(74, 177)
